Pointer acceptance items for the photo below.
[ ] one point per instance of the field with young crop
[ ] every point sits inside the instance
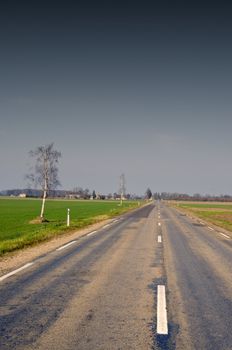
(219, 214)
(19, 228)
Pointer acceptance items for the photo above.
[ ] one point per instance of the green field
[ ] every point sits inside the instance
(16, 219)
(219, 214)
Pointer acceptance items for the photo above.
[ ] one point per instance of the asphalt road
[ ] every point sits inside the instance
(100, 292)
(198, 264)
(95, 294)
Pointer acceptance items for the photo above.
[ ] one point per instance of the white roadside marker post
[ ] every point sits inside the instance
(68, 217)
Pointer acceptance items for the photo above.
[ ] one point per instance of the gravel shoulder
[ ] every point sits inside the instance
(20, 257)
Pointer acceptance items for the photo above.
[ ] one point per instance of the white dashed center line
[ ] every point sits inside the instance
(162, 323)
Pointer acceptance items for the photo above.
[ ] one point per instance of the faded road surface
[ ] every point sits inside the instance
(95, 294)
(100, 291)
(198, 261)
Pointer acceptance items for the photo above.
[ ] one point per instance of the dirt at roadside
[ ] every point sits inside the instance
(14, 260)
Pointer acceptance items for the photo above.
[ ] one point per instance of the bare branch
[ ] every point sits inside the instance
(45, 172)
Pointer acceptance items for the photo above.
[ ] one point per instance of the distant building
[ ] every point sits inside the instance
(73, 196)
(22, 195)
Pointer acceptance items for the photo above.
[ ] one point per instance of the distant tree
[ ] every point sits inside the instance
(122, 184)
(115, 195)
(78, 191)
(157, 195)
(75, 190)
(45, 172)
(148, 193)
(86, 194)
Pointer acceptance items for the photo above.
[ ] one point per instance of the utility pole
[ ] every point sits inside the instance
(122, 190)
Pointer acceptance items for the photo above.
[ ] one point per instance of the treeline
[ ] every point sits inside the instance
(76, 193)
(81, 193)
(194, 197)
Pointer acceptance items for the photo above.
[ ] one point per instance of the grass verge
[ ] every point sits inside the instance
(219, 214)
(19, 227)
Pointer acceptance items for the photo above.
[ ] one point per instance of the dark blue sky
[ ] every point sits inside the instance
(141, 88)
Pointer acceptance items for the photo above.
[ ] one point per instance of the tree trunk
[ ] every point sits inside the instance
(43, 204)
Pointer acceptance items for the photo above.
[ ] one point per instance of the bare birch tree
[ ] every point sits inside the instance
(122, 189)
(45, 172)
